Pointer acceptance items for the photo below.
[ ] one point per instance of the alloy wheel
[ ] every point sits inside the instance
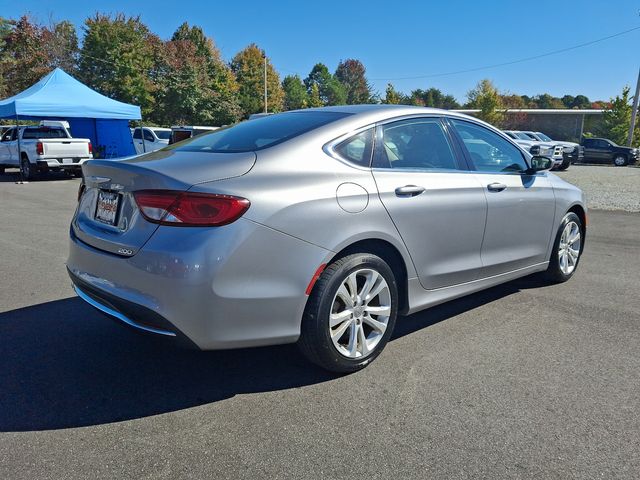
(360, 313)
(569, 247)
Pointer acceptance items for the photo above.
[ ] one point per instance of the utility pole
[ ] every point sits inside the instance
(634, 111)
(264, 56)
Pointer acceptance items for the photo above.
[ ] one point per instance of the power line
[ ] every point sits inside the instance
(512, 62)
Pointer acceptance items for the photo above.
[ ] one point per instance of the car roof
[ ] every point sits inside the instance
(372, 113)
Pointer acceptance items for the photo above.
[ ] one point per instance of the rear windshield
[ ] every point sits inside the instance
(43, 132)
(258, 133)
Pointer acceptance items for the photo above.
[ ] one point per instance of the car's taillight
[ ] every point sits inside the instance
(185, 209)
(90, 148)
(39, 148)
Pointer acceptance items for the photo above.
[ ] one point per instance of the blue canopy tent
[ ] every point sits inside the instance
(90, 114)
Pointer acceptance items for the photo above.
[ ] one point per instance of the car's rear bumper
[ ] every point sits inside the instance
(235, 286)
(128, 313)
(70, 163)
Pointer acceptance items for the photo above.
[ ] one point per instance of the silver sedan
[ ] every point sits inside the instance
(319, 227)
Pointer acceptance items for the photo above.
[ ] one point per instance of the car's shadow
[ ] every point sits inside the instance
(65, 365)
(13, 176)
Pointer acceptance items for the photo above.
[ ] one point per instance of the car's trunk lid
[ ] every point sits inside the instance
(108, 217)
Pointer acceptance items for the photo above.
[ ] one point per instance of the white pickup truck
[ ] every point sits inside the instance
(48, 146)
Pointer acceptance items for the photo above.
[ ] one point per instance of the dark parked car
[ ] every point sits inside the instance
(601, 150)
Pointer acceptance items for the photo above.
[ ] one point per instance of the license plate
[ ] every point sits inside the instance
(107, 208)
(67, 160)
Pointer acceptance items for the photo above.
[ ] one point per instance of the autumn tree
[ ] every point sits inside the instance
(351, 74)
(330, 90)
(248, 67)
(120, 58)
(196, 86)
(486, 98)
(295, 93)
(24, 58)
(61, 41)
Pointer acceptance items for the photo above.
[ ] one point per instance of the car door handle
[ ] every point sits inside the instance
(409, 191)
(496, 187)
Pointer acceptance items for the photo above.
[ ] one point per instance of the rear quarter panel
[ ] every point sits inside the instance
(293, 189)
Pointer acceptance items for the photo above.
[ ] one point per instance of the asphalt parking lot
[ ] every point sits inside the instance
(518, 381)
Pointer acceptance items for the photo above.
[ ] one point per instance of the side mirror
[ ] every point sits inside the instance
(539, 164)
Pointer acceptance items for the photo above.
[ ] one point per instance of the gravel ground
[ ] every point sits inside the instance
(606, 187)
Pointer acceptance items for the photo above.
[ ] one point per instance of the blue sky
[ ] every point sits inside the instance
(407, 38)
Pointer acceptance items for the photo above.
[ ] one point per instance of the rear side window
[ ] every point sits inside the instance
(259, 133)
(163, 134)
(136, 134)
(488, 151)
(419, 143)
(357, 149)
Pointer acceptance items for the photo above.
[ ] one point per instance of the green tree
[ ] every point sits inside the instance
(567, 101)
(485, 97)
(351, 74)
(295, 93)
(314, 96)
(616, 119)
(248, 66)
(392, 96)
(6, 62)
(548, 101)
(197, 87)
(434, 98)
(331, 91)
(120, 59)
(581, 101)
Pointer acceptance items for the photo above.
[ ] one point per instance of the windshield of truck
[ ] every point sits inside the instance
(544, 137)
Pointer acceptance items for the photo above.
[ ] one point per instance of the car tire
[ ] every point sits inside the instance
(565, 165)
(340, 331)
(567, 250)
(620, 161)
(27, 169)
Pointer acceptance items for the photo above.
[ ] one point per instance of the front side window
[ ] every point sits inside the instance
(7, 135)
(148, 136)
(419, 143)
(357, 149)
(489, 152)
